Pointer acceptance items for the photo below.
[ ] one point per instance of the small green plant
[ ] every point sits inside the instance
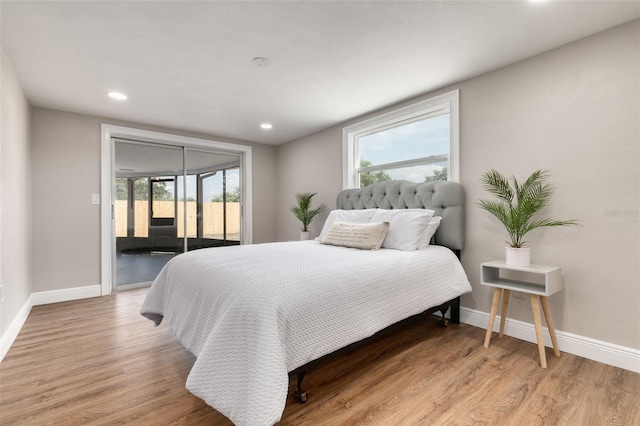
(303, 210)
(517, 203)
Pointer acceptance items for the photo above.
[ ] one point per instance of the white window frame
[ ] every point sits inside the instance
(447, 102)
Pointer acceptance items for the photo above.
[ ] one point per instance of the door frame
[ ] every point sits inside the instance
(107, 175)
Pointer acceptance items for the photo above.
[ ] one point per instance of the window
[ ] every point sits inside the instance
(140, 222)
(416, 143)
(163, 197)
(221, 218)
(188, 205)
(131, 207)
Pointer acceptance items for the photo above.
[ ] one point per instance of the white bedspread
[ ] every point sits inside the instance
(250, 314)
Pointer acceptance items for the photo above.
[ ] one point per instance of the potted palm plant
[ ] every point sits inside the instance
(516, 207)
(304, 211)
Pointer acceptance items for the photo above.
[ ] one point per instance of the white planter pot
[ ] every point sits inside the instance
(517, 256)
(305, 235)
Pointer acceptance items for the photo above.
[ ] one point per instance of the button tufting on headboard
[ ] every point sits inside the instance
(438, 196)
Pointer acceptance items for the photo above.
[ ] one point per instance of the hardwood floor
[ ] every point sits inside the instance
(97, 361)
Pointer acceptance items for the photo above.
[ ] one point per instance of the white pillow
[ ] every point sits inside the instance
(429, 232)
(353, 216)
(405, 226)
(368, 236)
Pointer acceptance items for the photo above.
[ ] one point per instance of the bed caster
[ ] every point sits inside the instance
(298, 392)
(301, 396)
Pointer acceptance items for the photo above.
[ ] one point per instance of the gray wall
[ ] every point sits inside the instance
(15, 209)
(311, 164)
(66, 170)
(574, 111)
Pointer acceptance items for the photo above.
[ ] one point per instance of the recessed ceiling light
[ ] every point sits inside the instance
(266, 126)
(117, 95)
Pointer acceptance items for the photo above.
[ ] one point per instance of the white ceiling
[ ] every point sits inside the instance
(187, 64)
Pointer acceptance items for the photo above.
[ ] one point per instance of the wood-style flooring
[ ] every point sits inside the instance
(98, 362)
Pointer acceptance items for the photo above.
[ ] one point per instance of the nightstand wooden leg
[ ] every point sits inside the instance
(552, 330)
(535, 307)
(503, 313)
(492, 315)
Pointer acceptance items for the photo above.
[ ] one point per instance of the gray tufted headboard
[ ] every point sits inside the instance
(445, 197)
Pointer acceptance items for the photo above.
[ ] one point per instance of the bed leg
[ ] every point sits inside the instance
(299, 393)
(443, 322)
(455, 311)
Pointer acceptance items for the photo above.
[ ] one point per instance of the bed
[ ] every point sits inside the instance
(254, 314)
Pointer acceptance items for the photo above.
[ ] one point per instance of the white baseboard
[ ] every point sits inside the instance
(66, 294)
(11, 333)
(597, 350)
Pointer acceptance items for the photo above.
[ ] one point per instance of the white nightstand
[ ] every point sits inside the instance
(539, 281)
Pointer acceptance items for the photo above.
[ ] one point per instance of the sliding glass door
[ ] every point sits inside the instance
(170, 200)
(214, 198)
(220, 204)
(145, 209)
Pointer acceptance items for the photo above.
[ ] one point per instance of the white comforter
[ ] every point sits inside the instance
(250, 314)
